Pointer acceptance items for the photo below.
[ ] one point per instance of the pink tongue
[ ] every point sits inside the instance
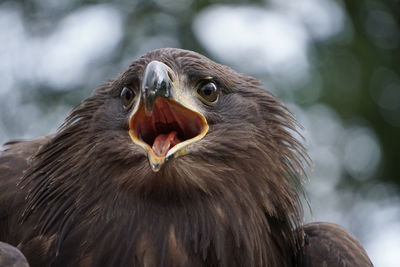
(164, 142)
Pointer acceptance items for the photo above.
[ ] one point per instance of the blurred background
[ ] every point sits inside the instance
(335, 63)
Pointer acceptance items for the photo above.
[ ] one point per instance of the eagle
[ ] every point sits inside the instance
(177, 162)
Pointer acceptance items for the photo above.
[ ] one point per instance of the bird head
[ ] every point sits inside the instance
(175, 116)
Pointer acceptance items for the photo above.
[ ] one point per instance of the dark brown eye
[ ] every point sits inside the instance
(127, 97)
(208, 92)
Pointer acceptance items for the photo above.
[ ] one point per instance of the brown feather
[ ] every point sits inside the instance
(88, 197)
(336, 246)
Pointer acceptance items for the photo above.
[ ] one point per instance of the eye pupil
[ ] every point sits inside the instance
(127, 95)
(208, 92)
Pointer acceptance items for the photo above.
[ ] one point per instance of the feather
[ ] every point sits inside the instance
(86, 195)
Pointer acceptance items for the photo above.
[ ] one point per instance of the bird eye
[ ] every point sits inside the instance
(208, 92)
(127, 97)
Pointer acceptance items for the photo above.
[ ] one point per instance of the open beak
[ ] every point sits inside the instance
(160, 124)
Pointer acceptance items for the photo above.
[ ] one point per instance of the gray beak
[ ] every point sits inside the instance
(156, 83)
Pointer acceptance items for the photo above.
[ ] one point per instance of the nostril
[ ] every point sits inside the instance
(163, 89)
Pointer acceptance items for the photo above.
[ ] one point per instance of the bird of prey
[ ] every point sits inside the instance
(178, 162)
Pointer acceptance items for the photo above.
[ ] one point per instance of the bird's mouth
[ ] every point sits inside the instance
(167, 130)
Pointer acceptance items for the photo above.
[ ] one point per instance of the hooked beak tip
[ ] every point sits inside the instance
(156, 83)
